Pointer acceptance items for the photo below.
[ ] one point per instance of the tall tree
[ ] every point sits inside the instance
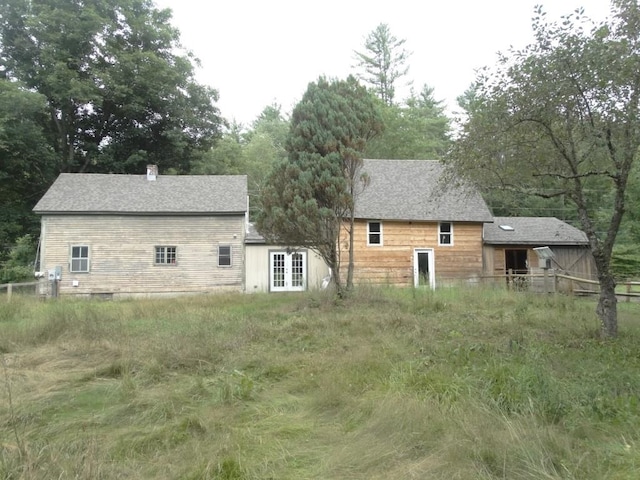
(418, 129)
(119, 95)
(383, 62)
(26, 161)
(561, 118)
(311, 194)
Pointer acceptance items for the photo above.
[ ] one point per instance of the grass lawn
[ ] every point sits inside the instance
(390, 384)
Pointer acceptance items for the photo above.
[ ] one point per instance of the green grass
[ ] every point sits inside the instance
(452, 384)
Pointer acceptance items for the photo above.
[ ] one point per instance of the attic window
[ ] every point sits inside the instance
(507, 228)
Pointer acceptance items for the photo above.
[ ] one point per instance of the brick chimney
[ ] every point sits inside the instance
(152, 172)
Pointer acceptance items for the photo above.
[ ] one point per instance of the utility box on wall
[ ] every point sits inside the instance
(55, 274)
(544, 263)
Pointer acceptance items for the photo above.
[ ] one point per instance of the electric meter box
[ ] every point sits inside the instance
(55, 274)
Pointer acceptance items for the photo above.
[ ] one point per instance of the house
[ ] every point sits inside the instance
(280, 268)
(510, 243)
(412, 227)
(129, 235)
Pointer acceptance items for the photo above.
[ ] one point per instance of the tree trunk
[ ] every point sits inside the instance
(351, 264)
(340, 290)
(607, 307)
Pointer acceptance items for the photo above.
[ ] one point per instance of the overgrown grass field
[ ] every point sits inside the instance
(389, 384)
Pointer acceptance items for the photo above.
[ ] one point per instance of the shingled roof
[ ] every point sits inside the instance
(532, 231)
(90, 193)
(412, 190)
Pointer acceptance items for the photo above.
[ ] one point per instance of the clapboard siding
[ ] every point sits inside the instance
(122, 252)
(392, 262)
(257, 267)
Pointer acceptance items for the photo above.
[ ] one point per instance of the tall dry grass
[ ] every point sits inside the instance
(475, 383)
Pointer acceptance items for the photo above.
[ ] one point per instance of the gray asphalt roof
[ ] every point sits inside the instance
(134, 194)
(532, 231)
(413, 190)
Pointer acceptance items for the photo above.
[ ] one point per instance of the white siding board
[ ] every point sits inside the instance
(122, 250)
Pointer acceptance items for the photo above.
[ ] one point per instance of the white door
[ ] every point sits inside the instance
(287, 271)
(423, 268)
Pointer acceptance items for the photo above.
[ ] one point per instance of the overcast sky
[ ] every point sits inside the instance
(257, 52)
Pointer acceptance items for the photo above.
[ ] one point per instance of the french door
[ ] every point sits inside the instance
(287, 271)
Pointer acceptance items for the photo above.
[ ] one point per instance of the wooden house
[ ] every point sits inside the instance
(415, 228)
(509, 244)
(129, 235)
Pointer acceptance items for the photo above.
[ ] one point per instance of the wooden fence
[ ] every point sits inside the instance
(552, 282)
(11, 288)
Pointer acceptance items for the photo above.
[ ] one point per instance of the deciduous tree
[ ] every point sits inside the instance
(119, 94)
(26, 161)
(561, 118)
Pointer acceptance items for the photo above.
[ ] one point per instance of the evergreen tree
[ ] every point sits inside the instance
(311, 194)
(383, 62)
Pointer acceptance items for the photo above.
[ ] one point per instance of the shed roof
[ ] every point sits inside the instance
(532, 231)
(414, 190)
(91, 193)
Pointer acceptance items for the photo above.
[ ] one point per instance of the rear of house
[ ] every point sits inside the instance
(415, 228)
(132, 235)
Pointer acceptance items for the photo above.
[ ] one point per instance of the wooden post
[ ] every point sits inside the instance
(628, 299)
(9, 291)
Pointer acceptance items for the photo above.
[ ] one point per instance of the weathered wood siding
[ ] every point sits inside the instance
(392, 263)
(257, 267)
(573, 260)
(122, 253)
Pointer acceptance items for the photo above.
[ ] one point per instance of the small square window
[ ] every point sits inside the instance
(79, 259)
(165, 256)
(374, 233)
(445, 233)
(224, 255)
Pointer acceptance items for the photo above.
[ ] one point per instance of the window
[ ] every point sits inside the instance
(224, 255)
(165, 256)
(445, 233)
(374, 233)
(79, 258)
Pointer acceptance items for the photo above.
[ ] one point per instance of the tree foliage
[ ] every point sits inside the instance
(26, 161)
(418, 129)
(383, 62)
(118, 94)
(251, 152)
(560, 119)
(311, 193)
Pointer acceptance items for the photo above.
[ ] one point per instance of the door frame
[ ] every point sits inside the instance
(431, 264)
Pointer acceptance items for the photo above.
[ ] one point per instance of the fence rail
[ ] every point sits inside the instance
(11, 287)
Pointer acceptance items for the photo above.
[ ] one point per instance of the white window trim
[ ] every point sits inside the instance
(450, 233)
(165, 264)
(71, 258)
(230, 256)
(380, 233)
